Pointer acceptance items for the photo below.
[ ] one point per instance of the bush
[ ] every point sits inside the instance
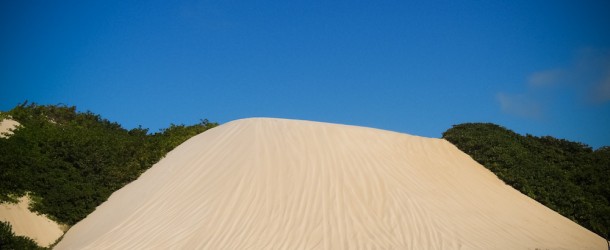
(73, 161)
(568, 177)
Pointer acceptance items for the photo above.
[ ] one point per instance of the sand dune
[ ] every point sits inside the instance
(24, 222)
(284, 184)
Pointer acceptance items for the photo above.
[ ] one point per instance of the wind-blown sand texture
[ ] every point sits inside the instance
(264, 183)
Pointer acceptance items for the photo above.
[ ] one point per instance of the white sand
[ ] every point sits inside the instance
(26, 223)
(284, 184)
(6, 126)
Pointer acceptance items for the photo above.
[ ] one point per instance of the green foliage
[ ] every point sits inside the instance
(8, 239)
(568, 177)
(71, 161)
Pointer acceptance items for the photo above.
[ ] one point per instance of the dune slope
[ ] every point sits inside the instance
(283, 184)
(24, 222)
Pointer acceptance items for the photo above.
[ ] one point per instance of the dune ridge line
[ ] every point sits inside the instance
(265, 183)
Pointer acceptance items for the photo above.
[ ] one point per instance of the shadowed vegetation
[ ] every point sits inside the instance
(70, 162)
(568, 177)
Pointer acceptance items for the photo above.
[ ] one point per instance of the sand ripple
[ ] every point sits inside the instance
(284, 184)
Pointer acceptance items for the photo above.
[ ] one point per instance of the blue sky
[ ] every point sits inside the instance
(419, 67)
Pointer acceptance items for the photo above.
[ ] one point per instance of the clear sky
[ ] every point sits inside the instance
(419, 67)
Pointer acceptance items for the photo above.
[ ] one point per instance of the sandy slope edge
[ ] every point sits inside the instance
(285, 184)
(41, 229)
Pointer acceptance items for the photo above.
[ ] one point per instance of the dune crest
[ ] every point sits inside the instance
(264, 183)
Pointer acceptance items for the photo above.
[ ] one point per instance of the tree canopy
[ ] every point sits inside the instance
(70, 161)
(568, 177)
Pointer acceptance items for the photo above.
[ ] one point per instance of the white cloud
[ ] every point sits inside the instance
(545, 78)
(587, 79)
(601, 91)
(590, 75)
(520, 105)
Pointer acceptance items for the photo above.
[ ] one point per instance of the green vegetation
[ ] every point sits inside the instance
(568, 177)
(70, 162)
